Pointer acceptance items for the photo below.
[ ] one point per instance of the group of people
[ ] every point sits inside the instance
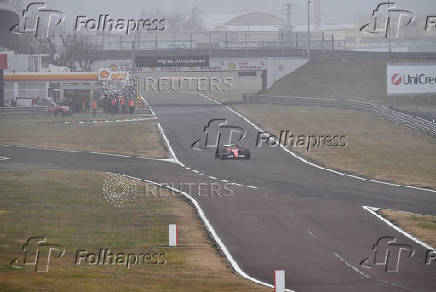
(122, 105)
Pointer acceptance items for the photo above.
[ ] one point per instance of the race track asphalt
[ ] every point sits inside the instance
(304, 220)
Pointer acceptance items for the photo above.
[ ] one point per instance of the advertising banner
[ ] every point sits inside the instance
(411, 79)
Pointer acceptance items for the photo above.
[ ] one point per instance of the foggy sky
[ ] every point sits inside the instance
(332, 11)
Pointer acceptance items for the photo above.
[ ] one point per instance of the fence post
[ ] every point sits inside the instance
(323, 41)
(246, 38)
(283, 39)
(172, 235)
(333, 41)
(210, 40)
(279, 281)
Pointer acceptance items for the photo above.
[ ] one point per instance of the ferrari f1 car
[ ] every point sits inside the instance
(232, 151)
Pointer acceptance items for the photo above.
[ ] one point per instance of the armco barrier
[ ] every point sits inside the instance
(383, 111)
(22, 111)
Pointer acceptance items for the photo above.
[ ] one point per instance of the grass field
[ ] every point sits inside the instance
(421, 226)
(375, 148)
(361, 79)
(130, 138)
(68, 208)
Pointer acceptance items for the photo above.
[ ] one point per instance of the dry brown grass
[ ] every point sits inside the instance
(375, 147)
(421, 226)
(68, 208)
(130, 138)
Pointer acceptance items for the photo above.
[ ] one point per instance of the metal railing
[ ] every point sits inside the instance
(215, 40)
(23, 111)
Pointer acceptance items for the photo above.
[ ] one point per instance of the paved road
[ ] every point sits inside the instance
(304, 220)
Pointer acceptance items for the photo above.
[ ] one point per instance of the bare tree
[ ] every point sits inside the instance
(180, 22)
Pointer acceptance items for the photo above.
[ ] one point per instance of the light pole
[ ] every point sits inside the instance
(308, 29)
(389, 28)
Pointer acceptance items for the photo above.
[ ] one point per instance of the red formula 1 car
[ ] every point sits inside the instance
(232, 152)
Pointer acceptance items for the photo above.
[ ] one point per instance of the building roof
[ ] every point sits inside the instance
(255, 18)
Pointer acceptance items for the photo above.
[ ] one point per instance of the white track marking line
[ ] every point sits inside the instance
(311, 234)
(421, 189)
(334, 171)
(210, 99)
(357, 177)
(385, 183)
(374, 210)
(351, 266)
(4, 158)
(167, 142)
(110, 154)
(214, 235)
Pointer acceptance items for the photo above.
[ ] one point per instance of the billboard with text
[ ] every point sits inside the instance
(411, 79)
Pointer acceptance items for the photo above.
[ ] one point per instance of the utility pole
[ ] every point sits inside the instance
(317, 14)
(288, 17)
(389, 28)
(308, 29)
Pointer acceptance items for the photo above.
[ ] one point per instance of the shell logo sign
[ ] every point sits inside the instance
(106, 74)
(103, 74)
(232, 66)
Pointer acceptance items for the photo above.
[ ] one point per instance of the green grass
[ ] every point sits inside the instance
(68, 208)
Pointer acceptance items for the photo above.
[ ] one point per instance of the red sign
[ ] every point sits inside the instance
(3, 61)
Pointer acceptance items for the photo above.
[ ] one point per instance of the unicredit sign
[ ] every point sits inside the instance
(411, 79)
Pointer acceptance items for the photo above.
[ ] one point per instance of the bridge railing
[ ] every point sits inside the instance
(216, 40)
